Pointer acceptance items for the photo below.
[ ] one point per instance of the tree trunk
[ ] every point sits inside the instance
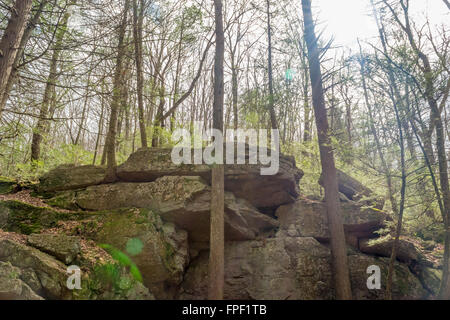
(436, 119)
(110, 144)
(11, 40)
(49, 91)
(26, 36)
(100, 130)
(338, 245)
(217, 237)
(271, 106)
(137, 33)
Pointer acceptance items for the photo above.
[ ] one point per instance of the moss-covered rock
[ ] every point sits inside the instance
(70, 177)
(64, 248)
(111, 281)
(64, 200)
(158, 249)
(28, 273)
(184, 201)
(16, 216)
(50, 272)
(7, 185)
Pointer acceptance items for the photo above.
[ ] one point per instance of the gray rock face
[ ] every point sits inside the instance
(51, 273)
(148, 164)
(11, 285)
(307, 218)
(70, 177)
(406, 286)
(291, 268)
(185, 201)
(60, 246)
(279, 268)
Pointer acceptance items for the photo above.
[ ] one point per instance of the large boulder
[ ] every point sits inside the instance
(70, 177)
(275, 269)
(184, 201)
(354, 190)
(48, 274)
(148, 164)
(406, 251)
(64, 248)
(294, 268)
(308, 218)
(160, 250)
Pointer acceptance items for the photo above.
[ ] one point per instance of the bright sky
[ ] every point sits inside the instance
(348, 20)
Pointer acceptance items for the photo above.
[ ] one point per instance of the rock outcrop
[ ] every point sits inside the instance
(184, 201)
(292, 268)
(27, 273)
(154, 225)
(69, 177)
(308, 218)
(148, 164)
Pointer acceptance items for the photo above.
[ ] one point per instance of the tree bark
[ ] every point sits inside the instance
(10, 43)
(110, 144)
(138, 19)
(25, 37)
(49, 91)
(217, 236)
(271, 106)
(338, 245)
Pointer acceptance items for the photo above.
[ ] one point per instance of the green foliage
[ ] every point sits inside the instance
(63, 154)
(307, 158)
(123, 260)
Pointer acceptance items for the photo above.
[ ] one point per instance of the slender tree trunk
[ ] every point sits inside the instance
(137, 33)
(398, 230)
(100, 130)
(273, 117)
(217, 237)
(85, 105)
(338, 245)
(234, 89)
(49, 92)
(110, 144)
(11, 40)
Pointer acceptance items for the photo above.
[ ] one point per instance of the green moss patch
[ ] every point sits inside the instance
(16, 216)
